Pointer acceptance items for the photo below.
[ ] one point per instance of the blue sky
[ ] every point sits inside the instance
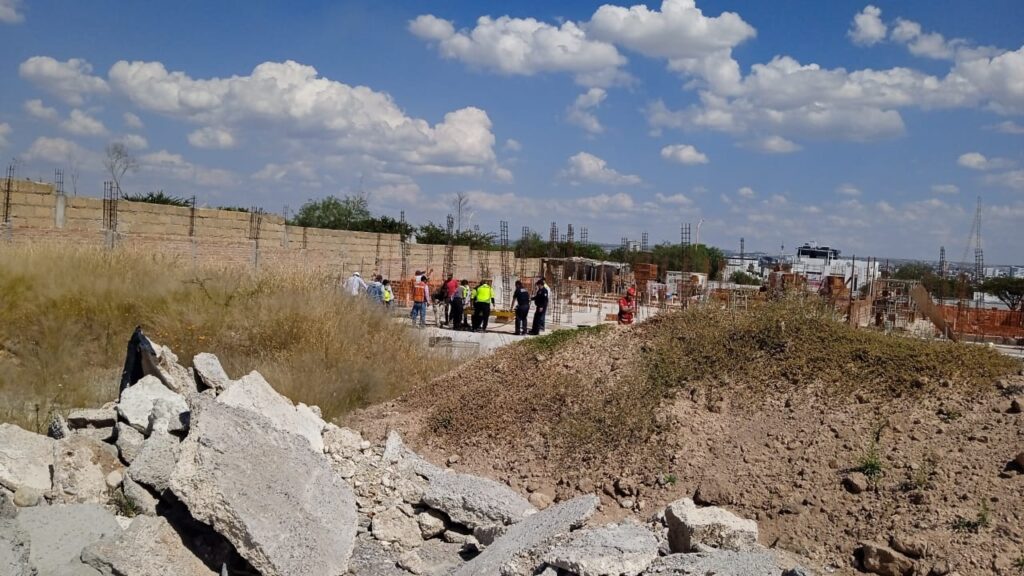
(870, 127)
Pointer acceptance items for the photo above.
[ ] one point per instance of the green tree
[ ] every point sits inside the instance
(936, 285)
(431, 233)
(347, 213)
(913, 271)
(699, 258)
(1010, 291)
(741, 277)
(533, 246)
(386, 225)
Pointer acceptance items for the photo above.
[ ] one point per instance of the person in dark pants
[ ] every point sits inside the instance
(482, 306)
(540, 300)
(459, 305)
(521, 299)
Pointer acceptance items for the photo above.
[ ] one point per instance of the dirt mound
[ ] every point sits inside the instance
(829, 437)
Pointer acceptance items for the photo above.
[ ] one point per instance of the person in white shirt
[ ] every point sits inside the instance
(355, 284)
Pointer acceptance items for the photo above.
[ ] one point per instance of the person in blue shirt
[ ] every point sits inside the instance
(521, 301)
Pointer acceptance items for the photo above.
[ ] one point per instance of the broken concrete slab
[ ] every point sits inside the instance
(129, 442)
(165, 367)
(58, 534)
(690, 526)
(136, 404)
(25, 459)
(107, 435)
(342, 442)
(615, 549)
(394, 525)
(155, 463)
(92, 418)
(371, 557)
(209, 373)
(756, 562)
(253, 393)
(80, 468)
(520, 544)
(14, 550)
(149, 547)
(139, 496)
(278, 502)
(166, 417)
(473, 501)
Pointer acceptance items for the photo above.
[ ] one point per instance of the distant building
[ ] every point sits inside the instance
(748, 264)
(816, 263)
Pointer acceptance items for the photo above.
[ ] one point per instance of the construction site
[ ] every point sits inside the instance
(584, 291)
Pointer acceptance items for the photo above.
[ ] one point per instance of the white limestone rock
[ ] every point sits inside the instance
(80, 468)
(254, 394)
(209, 373)
(690, 526)
(25, 459)
(613, 550)
(521, 543)
(137, 402)
(149, 547)
(278, 502)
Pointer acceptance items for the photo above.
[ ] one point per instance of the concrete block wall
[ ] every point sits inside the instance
(221, 238)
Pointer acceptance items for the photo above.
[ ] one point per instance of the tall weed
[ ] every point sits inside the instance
(66, 314)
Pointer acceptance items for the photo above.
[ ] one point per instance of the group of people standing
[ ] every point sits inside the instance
(461, 300)
(465, 307)
(469, 307)
(377, 289)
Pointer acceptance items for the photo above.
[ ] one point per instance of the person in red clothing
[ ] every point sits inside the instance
(627, 307)
(451, 286)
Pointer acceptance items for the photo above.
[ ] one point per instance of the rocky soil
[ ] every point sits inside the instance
(923, 480)
(193, 473)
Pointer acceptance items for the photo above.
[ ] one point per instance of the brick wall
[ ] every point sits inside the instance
(221, 238)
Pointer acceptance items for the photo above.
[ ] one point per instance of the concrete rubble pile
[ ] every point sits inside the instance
(192, 473)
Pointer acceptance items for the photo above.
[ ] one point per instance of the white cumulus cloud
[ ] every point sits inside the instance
(72, 81)
(585, 167)
(211, 137)
(774, 145)
(37, 109)
(677, 199)
(10, 12)
(867, 27)
(579, 113)
(58, 150)
(1014, 179)
(978, 161)
(513, 145)
(848, 190)
(523, 46)
(746, 192)
(166, 164)
(82, 124)
(680, 33)
(132, 121)
(293, 100)
(683, 154)
(134, 141)
(945, 189)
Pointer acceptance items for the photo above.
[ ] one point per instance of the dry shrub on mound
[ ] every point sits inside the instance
(587, 397)
(67, 314)
(797, 345)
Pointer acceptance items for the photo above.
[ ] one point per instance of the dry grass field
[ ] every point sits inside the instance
(66, 315)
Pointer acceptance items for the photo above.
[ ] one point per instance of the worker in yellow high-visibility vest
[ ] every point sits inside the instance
(482, 306)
